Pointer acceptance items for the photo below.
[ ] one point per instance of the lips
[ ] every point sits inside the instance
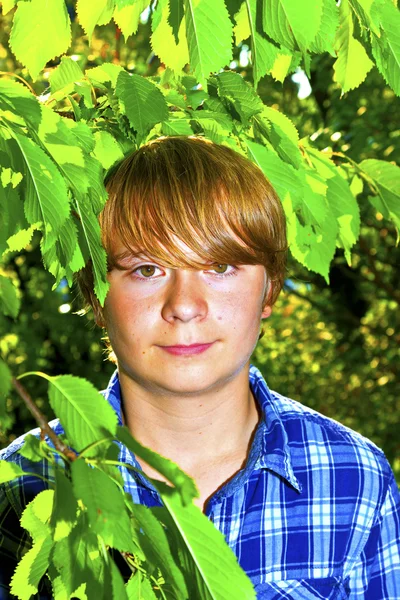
(187, 350)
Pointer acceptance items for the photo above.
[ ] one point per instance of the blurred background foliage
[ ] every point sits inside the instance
(334, 348)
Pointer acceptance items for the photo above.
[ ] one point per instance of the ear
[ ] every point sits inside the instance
(266, 312)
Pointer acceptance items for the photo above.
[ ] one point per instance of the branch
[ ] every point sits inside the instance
(42, 421)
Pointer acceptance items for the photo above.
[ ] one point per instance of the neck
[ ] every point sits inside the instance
(192, 430)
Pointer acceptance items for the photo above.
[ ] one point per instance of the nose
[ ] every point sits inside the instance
(186, 296)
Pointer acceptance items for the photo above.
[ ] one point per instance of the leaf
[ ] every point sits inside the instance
(91, 14)
(386, 177)
(106, 150)
(7, 5)
(5, 387)
(106, 511)
(174, 54)
(209, 37)
(183, 483)
(9, 471)
(31, 569)
(78, 560)
(176, 126)
(282, 135)
(325, 38)
(155, 545)
(84, 412)
(242, 29)
(19, 241)
(386, 48)
(214, 567)
(264, 54)
(128, 17)
(341, 202)
(141, 101)
(35, 21)
(10, 303)
(291, 23)
(244, 98)
(46, 196)
(352, 64)
(16, 98)
(284, 178)
(67, 72)
(64, 514)
(92, 235)
(139, 588)
(36, 516)
(31, 448)
(107, 72)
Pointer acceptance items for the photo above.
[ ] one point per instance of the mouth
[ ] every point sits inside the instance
(187, 350)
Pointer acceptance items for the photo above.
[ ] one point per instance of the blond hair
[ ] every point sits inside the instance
(196, 190)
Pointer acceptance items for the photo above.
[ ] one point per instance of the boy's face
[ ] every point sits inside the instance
(150, 307)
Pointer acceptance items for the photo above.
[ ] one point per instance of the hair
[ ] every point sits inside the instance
(195, 189)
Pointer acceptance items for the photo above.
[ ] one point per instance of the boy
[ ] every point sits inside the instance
(196, 244)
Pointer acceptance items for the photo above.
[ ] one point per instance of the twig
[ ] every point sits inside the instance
(42, 421)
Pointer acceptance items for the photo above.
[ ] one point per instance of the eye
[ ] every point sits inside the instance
(148, 271)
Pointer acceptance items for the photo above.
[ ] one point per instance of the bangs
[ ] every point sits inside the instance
(208, 196)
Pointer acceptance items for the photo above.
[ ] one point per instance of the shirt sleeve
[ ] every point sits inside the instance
(377, 574)
(14, 540)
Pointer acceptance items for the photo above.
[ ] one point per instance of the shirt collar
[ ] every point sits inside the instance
(271, 437)
(275, 450)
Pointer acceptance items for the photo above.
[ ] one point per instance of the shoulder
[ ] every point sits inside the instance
(318, 441)
(10, 453)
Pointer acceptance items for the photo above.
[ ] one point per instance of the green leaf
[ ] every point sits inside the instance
(244, 98)
(107, 72)
(35, 21)
(291, 23)
(10, 303)
(242, 29)
(5, 387)
(46, 194)
(106, 150)
(183, 483)
(36, 516)
(213, 565)
(283, 177)
(282, 135)
(64, 514)
(85, 414)
(20, 240)
(107, 511)
(139, 588)
(177, 126)
(341, 202)
(352, 64)
(9, 471)
(67, 73)
(7, 5)
(92, 235)
(31, 569)
(386, 177)
(264, 54)
(91, 14)
(325, 38)
(386, 48)
(128, 17)
(154, 543)
(78, 560)
(31, 448)
(174, 54)
(16, 98)
(141, 101)
(209, 37)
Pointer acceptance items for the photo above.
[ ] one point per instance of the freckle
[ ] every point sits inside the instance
(143, 352)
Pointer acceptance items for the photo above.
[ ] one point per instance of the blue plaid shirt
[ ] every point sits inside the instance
(313, 514)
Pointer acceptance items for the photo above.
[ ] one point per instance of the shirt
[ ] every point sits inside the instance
(313, 514)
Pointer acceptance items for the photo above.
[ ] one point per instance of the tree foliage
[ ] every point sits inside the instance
(67, 121)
